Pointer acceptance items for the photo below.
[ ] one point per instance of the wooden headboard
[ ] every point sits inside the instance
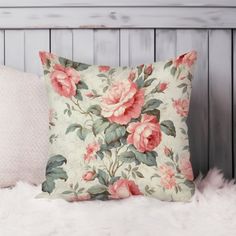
(128, 32)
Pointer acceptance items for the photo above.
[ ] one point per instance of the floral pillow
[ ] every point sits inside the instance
(117, 132)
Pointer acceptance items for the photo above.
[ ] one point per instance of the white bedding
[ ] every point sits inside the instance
(212, 212)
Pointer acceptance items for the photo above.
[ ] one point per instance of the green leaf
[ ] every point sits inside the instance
(82, 85)
(100, 154)
(152, 104)
(102, 177)
(55, 161)
(57, 173)
(67, 192)
(53, 172)
(149, 82)
(167, 126)
(189, 184)
(97, 189)
(140, 82)
(140, 69)
(127, 157)
(78, 95)
(182, 85)
(48, 186)
(173, 71)
(100, 125)
(168, 64)
(139, 174)
(73, 127)
(82, 133)
(102, 76)
(114, 179)
(148, 158)
(95, 109)
(114, 132)
(46, 72)
(81, 67)
(65, 62)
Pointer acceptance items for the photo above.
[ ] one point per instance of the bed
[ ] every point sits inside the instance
(128, 33)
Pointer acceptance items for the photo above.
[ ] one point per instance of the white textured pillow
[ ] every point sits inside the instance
(23, 127)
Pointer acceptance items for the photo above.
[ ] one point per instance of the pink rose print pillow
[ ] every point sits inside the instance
(118, 132)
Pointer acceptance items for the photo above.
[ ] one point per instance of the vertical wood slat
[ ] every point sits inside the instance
(2, 60)
(15, 49)
(35, 41)
(188, 40)
(62, 43)
(234, 101)
(220, 95)
(137, 46)
(165, 44)
(106, 47)
(22, 47)
(83, 45)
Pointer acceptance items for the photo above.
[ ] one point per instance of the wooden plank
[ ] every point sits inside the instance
(106, 47)
(118, 17)
(83, 45)
(15, 49)
(62, 43)
(165, 44)
(220, 95)
(63, 3)
(2, 50)
(35, 41)
(137, 47)
(234, 102)
(188, 40)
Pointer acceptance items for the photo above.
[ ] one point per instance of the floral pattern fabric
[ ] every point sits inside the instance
(118, 132)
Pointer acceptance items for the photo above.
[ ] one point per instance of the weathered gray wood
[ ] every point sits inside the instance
(2, 47)
(137, 46)
(63, 3)
(106, 47)
(35, 41)
(165, 44)
(118, 17)
(15, 49)
(220, 95)
(62, 43)
(188, 40)
(234, 102)
(83, 45)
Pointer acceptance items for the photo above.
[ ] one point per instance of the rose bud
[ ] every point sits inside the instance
(89, 176)
(161, 87)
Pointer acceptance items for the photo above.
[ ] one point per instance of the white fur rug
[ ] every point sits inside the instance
(211, 213)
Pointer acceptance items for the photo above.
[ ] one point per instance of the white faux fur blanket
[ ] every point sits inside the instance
(211, 213)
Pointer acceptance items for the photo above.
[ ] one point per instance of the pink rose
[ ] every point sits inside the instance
(44, 56)
(132, 75)
(122, 102)
(148, 70)
(187, 59)
(168, 152)
(79, 198)
(186, 167)
(90, 95)
(103, 68)
(64, 80)
(123, 188)
(91, 150)
(161, 87)
(89, 176)
(167, 173)
(181, 107)
(145, 135)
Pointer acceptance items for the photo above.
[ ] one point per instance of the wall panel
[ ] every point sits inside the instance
(137, 46)
(220, 95)
(2, 50)
(35, 41)
(83, 45)
(234, 101)
(106, 47)
(62, 43)
(15, 49)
